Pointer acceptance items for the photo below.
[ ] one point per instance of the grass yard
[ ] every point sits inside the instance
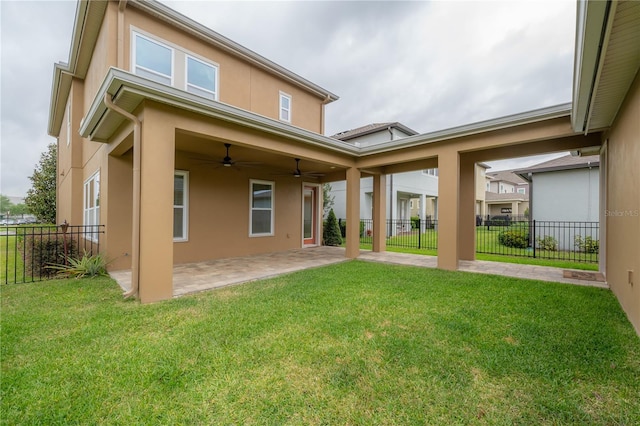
(352, 343)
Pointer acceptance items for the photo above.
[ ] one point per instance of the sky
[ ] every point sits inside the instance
(430, 65)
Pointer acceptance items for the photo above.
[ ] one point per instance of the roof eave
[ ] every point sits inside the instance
(117, 83)
(549, 113)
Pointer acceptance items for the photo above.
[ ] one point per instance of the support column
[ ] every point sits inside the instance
(467, 209)
(353, 213)
(423, 213)
(379, 213)
(448, 209)
(156, 207)
(514, 208)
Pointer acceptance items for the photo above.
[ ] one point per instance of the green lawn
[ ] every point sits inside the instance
(353, 343)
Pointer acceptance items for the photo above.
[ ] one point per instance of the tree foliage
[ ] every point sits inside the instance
(331, 231)
(41, 197)
(328, 200)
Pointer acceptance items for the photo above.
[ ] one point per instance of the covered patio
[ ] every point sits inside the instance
(191, 278)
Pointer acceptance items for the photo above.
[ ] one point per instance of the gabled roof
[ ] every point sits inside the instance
(373, 128)
(87, 24)
(506, 176)
(567, 162)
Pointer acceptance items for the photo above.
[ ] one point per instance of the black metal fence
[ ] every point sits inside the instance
(28, 252)
(569, 241)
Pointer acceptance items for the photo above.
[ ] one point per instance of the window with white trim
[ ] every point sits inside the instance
(69, 121)
(261, 200)
(152, 59)
(430, 172)
(180, 205)
(202, 78)
(285, 107)
(488, 185)
(522, 191)
(92, 205)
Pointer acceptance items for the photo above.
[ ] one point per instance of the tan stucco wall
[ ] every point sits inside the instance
(241, 84)
(622, 212)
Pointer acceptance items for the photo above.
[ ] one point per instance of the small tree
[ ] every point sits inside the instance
(41, 197)
(331, 231)
(328, 200)
(5, 205)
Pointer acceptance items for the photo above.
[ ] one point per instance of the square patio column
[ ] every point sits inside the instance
(379, 213)
(448, 209)
(156, 206)
(467, 208)
(353, 213)
(423, 213)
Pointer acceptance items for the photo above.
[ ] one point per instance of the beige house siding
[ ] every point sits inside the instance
(622, 212)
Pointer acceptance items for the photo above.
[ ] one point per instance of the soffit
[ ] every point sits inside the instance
(620, 67)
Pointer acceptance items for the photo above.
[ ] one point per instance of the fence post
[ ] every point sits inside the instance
(419, 233)
(534, 239)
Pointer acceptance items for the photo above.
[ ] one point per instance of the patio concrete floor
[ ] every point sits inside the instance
(195, 277)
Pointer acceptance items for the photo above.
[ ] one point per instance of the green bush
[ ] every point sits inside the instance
(587, 244)
(87, 266)
(516, 239)
(331, 232)
(415, 222)
(547, 243)
(42, 251)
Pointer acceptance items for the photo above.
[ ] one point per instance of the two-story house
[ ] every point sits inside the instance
(408, 194)
(507, 194)
(188, 146)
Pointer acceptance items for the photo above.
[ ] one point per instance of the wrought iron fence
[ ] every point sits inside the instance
(570, 241)
(28, 252)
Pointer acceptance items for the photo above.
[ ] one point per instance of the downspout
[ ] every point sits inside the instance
(135, 234)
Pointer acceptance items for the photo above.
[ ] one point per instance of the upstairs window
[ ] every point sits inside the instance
(522, 191)
(430, 172)
(152, 59)
(202, 78)
(285, 107)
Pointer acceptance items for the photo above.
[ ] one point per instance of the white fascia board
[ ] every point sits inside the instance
(158, 9)
(558, 111)
(590, 24)
(118, 82)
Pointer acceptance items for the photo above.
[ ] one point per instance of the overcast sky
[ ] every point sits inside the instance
(428, 65)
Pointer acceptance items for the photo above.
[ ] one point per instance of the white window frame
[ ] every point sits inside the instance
(134, 47)
(284, 95)
(271, 209)
(184, 207)
(430, 172)
(213, 65)
(69, 121)
(91, 211)
(522, 191)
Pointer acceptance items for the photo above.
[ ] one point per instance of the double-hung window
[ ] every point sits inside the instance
(261, 212)
(180, 205)
(152, 59)
(285, 107)
(202, 78)
(92, 205)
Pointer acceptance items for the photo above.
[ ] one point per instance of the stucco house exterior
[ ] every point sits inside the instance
(148, 100)
(565, 188)
(506, 194)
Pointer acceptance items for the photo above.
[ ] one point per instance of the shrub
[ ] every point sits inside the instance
(87, 266)
(331, 232)
(42, 251)
(587, 244)
(415, 222)
(516, 239)
(547, 243)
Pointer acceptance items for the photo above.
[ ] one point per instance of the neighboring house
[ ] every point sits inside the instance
(408, 194)
(506, 194)
(565, 189)
(148, 98)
